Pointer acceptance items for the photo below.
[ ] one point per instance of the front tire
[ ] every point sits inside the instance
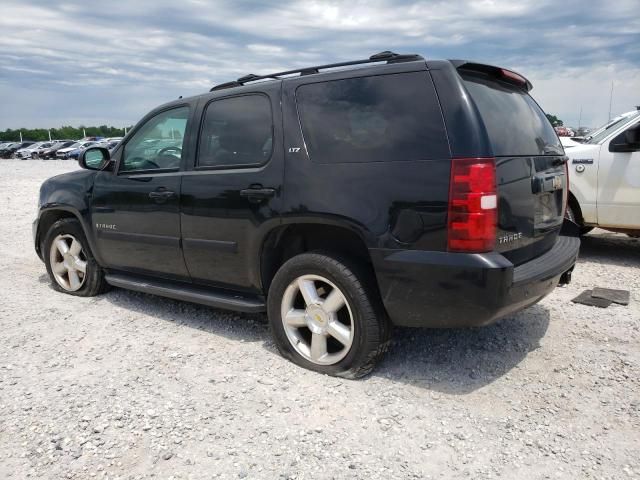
(69, 261)
(326, 315)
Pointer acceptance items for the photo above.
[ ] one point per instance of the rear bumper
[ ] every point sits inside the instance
(443, 290)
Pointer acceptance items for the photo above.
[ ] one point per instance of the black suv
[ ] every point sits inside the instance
(8, 151)
(338, 200)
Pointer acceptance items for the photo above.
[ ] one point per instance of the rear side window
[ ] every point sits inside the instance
(372, 119)
(237, 131)
(516, 125)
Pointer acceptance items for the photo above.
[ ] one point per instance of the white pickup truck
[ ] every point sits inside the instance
(604, 177)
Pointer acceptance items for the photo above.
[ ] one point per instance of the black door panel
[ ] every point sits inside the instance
(232, 196)
(135, 232)
(220, 226)
(136, 209)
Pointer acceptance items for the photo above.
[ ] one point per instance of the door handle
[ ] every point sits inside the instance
(258, 193)
(161, 195)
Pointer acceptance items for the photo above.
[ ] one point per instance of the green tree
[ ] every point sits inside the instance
(555, 121)
(62, 133)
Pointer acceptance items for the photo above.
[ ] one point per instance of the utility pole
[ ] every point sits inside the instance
(610, 99)
(84, 134)
(49, 135)
(580, 119)
(20, 136)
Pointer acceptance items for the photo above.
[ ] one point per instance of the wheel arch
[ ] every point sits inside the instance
(285, 241)
(575, 207)
(51, 215)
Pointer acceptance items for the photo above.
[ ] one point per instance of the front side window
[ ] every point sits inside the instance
(236, 131)
(157, 145)
(372, 119)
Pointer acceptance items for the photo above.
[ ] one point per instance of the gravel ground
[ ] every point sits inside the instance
(128, 385)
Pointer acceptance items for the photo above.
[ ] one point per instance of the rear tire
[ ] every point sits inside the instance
(69, 261)
(326, 315)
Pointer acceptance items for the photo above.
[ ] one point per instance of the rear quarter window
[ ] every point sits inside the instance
(516, 125)
(372, 119)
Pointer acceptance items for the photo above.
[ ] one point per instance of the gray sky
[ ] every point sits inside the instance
(71, 63)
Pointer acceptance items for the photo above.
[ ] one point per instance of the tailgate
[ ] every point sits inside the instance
(530, 161)
(531, 199)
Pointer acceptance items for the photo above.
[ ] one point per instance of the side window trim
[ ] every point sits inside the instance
(197, 167)
(147, 172)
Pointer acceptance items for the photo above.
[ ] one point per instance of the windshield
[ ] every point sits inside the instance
(602, 132)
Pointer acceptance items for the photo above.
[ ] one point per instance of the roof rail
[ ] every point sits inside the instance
(386, 56)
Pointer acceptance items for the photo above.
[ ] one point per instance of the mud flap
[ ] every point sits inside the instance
(570, 228)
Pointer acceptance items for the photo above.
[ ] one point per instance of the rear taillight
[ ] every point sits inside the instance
(473, 205)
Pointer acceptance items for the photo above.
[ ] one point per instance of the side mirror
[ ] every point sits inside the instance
(94, 158)
(627, 141)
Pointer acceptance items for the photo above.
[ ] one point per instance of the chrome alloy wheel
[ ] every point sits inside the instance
(68, 262)
(317, 319)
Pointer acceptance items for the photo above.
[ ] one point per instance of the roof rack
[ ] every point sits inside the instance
(386, 56)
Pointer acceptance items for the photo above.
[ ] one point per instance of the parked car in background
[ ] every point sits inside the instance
(5, 146)
(27, 152)
(112, 144)
(9, 151)
(37, 152)
(582, 132)
(73, 154)
(63, 153)
(109, 145)
(51, 151)
(605, 177)
(564, 131)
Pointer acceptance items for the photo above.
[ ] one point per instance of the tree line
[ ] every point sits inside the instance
(555, 121)
(62, 133)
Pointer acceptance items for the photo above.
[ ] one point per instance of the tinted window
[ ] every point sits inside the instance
(516, 125)
(372, 119)
(158, 143)
(237, 131)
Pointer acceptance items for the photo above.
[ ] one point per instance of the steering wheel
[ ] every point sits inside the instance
(170, 151)
(142, 164)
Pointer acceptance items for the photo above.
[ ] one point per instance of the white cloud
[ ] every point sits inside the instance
(144, 52)
(564, 93)
(266, 49)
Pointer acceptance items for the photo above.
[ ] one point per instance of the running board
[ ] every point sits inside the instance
(188, 293)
